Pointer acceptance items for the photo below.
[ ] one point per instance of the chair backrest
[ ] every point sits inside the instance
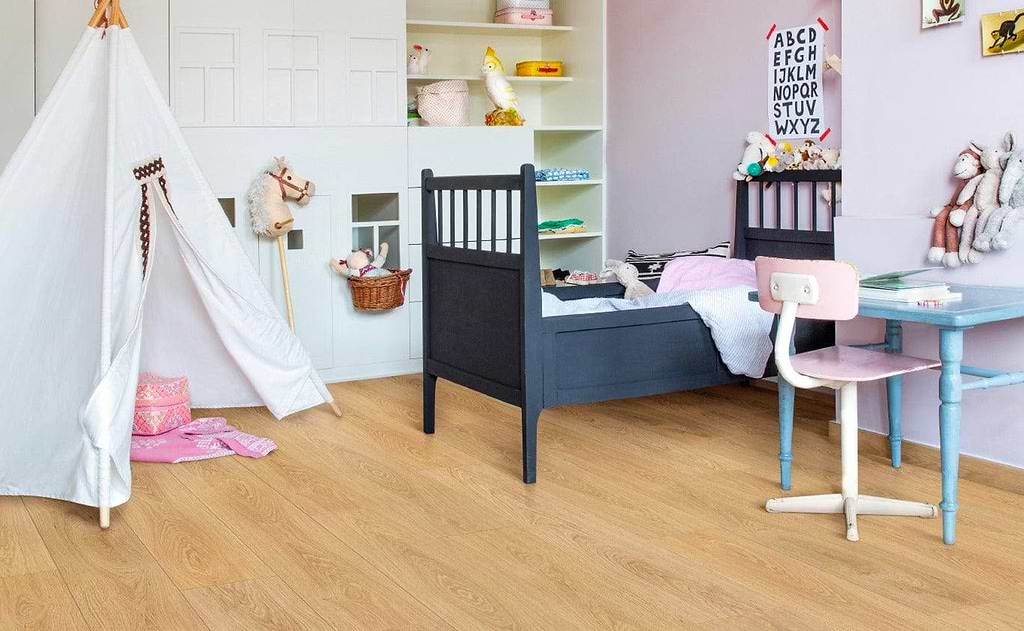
(829, 288)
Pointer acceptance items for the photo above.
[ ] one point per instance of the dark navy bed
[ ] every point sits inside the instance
(482, 321)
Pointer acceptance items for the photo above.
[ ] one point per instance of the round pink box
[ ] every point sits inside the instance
(161, 404)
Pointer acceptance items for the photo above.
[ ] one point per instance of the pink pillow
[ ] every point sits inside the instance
(707, 272)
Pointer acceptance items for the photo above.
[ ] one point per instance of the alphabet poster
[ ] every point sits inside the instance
(796, 100)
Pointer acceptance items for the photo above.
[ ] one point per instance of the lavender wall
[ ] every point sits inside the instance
(913, 100)
(687, 80)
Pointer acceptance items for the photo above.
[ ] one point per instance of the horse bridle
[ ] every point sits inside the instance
(285, 184)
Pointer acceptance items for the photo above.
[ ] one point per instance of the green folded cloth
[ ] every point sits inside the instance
(561, 225)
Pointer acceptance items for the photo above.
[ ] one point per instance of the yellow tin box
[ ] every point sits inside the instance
(540, 69)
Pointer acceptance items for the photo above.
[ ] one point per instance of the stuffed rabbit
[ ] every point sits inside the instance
(986, 199)
(629, 276)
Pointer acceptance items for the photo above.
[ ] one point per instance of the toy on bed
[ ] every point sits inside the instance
(946, 242)
(628, 275)
(506, 112)
(359, 264)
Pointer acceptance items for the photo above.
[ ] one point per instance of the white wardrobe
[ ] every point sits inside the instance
(323, 83)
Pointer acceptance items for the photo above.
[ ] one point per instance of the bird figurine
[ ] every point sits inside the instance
(414, 64)
(501, 93)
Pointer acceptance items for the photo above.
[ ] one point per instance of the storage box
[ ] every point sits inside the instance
(540, 69)
(539, 5)
(161, 404)
(527, 17)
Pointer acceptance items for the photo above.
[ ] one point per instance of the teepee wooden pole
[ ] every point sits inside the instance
(99, 16)
(287, 282)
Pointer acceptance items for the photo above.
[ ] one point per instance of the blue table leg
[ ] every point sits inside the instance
(787, 398)
(894, 393)
(951, 352)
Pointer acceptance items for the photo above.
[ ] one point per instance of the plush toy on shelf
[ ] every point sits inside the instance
(1011, 200)
(986, 199)
(419, 60)
(946, 241)
(506, 112)
(628, 275)
(359, 264)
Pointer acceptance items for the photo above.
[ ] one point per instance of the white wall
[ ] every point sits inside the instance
(17, 44)
(912, 113)
(62, 23)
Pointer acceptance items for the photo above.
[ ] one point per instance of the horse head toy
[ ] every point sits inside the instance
(269, 196)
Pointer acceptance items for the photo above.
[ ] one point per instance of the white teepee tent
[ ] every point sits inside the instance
(118, 259)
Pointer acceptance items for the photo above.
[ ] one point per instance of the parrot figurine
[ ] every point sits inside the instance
(500, 92)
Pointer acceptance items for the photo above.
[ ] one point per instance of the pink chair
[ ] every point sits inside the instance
(827, 290)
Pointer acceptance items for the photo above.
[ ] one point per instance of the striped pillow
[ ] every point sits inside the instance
(651, 266)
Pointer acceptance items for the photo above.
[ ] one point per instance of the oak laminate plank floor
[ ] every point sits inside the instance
(192, 545)
(648, 515)
(21, 549)
(40, 602)
(114, 580)
(259, 604)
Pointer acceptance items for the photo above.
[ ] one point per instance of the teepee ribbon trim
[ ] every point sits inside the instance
(146, 172)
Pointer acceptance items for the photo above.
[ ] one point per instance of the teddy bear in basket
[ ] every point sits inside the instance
(360, 265)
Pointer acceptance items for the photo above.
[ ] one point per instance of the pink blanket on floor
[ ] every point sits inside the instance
(201, 439)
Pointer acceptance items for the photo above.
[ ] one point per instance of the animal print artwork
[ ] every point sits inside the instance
(942, 12)
(1002, 33)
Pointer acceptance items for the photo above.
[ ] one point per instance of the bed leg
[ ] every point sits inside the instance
(530, 418)
(429, 389)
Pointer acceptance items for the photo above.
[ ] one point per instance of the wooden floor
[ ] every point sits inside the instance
(648, 515)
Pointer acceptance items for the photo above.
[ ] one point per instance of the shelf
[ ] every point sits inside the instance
(554, 129)
(571, 183)
(571, 235)
(470, 77)
(482, 28)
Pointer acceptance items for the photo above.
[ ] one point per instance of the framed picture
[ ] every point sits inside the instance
(942, 12)
(1002, 33)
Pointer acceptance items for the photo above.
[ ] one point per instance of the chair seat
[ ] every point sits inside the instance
(849, 364)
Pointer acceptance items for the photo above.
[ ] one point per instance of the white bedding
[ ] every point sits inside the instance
(741, 330)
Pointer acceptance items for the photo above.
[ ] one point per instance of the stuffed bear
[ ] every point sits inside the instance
(946, 240)
(986, 199)
(833, 158)
(1011, 200)
(757, 157)
(359, 265)
(629, 276)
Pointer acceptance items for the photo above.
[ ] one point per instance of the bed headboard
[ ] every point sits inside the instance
(784, 215)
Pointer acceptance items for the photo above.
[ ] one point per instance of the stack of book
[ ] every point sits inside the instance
(897, 287)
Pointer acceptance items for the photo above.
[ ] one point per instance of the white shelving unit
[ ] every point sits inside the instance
(469, 77)
(482, 28)
(566, 116)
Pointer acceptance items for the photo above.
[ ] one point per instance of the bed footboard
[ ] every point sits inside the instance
(481, 294)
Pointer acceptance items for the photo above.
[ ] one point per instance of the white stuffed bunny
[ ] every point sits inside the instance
(629, 276)
(986, 199)
(758, 157)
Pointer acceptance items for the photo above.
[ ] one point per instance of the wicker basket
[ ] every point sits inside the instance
(381, 293)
